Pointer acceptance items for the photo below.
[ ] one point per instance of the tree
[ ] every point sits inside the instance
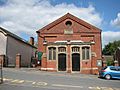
(110, 48)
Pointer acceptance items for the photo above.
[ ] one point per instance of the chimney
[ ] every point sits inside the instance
(31, 41)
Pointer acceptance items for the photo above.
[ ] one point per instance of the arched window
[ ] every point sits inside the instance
(85, 53)
(75, 49)
(52, 53)
(62, 49)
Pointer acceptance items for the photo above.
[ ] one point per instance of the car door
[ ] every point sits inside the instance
(118, 72)
(114, 72)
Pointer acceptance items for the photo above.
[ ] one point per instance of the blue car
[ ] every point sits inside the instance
(110, 72)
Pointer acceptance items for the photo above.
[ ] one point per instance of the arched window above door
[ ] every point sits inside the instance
(75, 49)
(62, 49)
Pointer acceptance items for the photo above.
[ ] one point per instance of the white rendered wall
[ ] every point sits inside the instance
(3, 41)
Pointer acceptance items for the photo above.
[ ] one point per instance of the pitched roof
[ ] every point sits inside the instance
(6, 32)
(68, 16)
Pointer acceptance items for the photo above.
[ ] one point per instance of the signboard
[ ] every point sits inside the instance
(68, 31)
(40, 55)
(99, 62)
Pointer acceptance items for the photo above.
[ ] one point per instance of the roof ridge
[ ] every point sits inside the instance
(15, 36)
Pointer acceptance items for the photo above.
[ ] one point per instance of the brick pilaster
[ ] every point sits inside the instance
(18, 60)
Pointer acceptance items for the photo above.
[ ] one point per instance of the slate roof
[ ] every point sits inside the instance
(16, 37)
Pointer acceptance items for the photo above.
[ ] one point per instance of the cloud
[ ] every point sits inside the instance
(109, 36)
(116, 21)
(27, 16)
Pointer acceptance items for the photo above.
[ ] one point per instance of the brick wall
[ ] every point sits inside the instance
(85, 33)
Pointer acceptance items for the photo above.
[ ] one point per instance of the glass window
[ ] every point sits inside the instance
(52, 53)
(104, 68)
(61, 49)
(85, 53)
(113, 68)
(118, 69)
(75, 49)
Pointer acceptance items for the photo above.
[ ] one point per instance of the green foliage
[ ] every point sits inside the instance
(110, 48)
(110, 62)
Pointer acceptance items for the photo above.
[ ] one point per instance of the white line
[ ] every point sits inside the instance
(60, 85)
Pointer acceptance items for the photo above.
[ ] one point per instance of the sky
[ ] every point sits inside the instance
(25, 17)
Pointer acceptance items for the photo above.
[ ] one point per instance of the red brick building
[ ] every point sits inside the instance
(70, 44)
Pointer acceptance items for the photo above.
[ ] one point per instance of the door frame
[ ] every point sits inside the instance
(72, 62)
(80, 52)
(58, 62)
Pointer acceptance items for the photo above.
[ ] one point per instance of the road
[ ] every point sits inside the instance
(33, 79)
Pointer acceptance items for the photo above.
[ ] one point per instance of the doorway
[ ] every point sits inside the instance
(61, 62)
(75, 62)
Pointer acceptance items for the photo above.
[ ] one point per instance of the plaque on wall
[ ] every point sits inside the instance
(99, 62)
(68, 31)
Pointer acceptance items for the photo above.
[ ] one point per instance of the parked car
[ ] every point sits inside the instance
(110, 72)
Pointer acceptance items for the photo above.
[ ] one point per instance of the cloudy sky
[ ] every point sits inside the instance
(25, 17)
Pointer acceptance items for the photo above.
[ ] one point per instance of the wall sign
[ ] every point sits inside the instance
(68, 31)
(99, 62)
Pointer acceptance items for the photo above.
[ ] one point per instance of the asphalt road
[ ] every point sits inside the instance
(33, 79)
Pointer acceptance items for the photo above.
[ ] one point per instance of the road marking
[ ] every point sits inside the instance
(102, 88)
(98, 88)
(95, 88)
(42, 83)
(6, 79)
(60, 85)
(18, 81)
(109, 88)
(33, 83)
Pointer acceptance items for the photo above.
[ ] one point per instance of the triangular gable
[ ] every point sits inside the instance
(68, 16)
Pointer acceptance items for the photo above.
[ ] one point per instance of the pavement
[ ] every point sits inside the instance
(38, 71)
(34, 79)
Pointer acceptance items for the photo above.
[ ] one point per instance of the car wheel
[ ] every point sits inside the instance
(107, 77)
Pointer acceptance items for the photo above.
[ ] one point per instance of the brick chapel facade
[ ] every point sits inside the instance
(70, 44)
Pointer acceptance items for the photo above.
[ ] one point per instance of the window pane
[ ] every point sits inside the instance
(83, 53)
(54, 54)
(87, 53)
(50, 54)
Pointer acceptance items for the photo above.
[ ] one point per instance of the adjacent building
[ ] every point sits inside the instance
(11, 45)
(70, 44)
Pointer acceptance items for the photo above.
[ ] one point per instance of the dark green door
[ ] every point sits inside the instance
(75, 62)
(62, 62)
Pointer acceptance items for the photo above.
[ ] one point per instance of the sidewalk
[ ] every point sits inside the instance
(37, 71)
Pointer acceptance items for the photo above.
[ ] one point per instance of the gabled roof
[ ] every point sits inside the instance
(68, 16)
(6, 32)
